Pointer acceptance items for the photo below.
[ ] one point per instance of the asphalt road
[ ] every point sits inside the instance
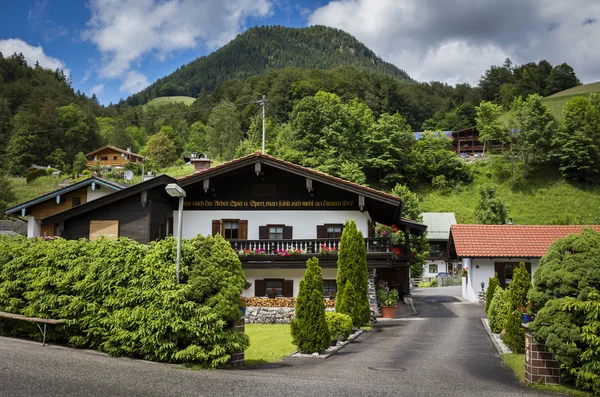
(441, 351)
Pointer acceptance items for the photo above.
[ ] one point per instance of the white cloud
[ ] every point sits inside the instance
(97, 89)
(86, 76)
(134, 82)
(456, 40)
(125, 31)
(32, 54)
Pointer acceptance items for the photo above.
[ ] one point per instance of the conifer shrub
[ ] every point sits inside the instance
(514, 335)
(352, 267)
(309, 327)
(498, 311)
(493, 283)
(519, 287)
(339, 325)
(121, 297)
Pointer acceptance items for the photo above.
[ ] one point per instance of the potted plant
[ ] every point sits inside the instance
(525, 312)
(247, 285)
(272, 293)
(387, 299)
(331, 296)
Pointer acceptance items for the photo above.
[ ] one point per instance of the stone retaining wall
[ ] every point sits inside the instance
(272, 315)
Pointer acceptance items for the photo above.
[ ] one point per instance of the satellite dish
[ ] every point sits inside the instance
(128, 175)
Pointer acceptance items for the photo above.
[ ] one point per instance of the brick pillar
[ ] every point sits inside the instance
(540, 364)
(237, 359)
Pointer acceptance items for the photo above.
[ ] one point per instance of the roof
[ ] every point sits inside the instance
(258, 157)
(519, 241)
(438, 224)
(108, 199)
(66, 189)
(419, 134)
(116, 149)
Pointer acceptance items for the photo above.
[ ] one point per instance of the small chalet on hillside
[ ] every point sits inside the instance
(111, 156)
(486, 250)
(438, 233)
(60, 200)
(263, 206)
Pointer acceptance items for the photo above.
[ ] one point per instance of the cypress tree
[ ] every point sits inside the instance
(493, 283)
(309, 327)
(514, 335)
(519, 286)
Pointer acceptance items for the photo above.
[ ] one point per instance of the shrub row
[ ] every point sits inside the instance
(122, 298)
(278, 302)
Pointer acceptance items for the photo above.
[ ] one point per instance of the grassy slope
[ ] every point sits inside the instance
(268, 343)
(544, 198)
(188, 100)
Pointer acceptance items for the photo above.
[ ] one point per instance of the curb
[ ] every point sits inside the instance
(333, 350)
(501, 349)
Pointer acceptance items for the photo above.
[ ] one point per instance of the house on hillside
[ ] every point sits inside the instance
(438, 232)
(466, 142)
(60, 200)
(111, 156)
(486, 250)
(264, 207)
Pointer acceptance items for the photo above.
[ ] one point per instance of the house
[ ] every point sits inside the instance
(262, 205)
(486, 250)
(438, 233)
(466, 142)
(60, 200)
(111, 156)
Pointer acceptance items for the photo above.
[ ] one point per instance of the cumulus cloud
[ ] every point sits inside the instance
(134, 82)
(32, 54)
(97, 89)
(456, 40)
(125, 31)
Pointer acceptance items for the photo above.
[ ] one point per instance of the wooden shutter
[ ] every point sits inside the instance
(288, 288)
(287, 232)
(370, 233)
(500, 269)
(263, 233)
(321, 231)
(216, 227)
(259, 288)
(243, 230)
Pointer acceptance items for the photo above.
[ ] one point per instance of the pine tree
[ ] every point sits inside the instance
(519, 286)
(309, 328)
(493, 283)
(514, 335)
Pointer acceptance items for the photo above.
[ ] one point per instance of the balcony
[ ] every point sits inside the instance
(271, 253)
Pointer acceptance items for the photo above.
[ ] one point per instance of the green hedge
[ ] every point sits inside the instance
(121, 297)
(499, 310)
(339, 325)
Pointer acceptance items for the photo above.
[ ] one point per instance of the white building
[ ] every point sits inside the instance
(438, 232)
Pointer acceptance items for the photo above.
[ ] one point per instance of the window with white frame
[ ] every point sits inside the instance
(433, 269)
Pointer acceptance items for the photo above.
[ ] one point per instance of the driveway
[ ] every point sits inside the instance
(443, 350)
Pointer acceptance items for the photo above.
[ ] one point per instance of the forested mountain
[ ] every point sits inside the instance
(264, 48)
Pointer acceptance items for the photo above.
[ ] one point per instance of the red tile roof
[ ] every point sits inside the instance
(528, 241)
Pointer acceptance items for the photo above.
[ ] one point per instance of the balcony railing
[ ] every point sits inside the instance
(308, 246)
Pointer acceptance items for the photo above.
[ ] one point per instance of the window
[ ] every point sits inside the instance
(505, 271)
(114, 157)
(230, 229)
(105, 158)
(329, 287)
(433, 269)
(276, 285)
(75, 201)
(435, 248)
(275, 232)
(334, 231)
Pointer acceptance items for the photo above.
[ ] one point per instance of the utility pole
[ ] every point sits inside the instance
(264, 120)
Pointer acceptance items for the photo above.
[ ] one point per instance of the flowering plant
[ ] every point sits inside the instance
(523, 310)
(249, 252)
(289, 252)
(464, 272)
(383, 230)
(325, 250)
(396, 252)
(247, 285)
(387, 296)
(272, 293)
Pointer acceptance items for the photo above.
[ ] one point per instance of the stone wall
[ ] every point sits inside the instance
(540, 364)
(272, 315)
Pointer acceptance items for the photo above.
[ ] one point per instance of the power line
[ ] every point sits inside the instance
(144, 118)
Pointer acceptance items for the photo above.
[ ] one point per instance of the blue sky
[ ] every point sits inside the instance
(117, 47)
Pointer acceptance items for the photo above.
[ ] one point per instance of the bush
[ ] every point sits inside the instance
(493, 283)
(514, 335)
(498, 311)
(49, 171)
(86, 172)
(339, 325)
(309, 327)
(108, 175)
(519, 287)
(434, 283)
(121, 297)
(33, 175)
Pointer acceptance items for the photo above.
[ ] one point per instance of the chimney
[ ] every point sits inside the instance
(201, 164)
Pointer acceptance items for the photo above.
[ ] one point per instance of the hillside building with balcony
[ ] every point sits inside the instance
(112, 157)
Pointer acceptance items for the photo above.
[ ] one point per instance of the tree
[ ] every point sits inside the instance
(489, 126)
(490, 209)
(80, 163)
(352, 278)
(224, 131)
(562, 77)
(519, 287)
(161, 150)
(196, 142)
(577, 141)
(7, 196)
(493, 79)
(77, 132)
(493, 284)
(309, 328)
(58, 159)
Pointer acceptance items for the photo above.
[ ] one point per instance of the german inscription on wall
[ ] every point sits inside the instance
(269, 204)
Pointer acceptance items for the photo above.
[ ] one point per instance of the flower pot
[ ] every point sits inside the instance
(526, 318)
(388, 311)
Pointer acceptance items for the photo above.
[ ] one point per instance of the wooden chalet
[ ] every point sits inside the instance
(265, 207)
(111, 156)
(466, 141)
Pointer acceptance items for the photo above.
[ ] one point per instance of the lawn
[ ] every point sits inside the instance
(516, 362)
(26, 191)
(268, 343)
(187, 100)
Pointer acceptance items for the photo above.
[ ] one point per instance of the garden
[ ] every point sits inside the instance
(562, 310)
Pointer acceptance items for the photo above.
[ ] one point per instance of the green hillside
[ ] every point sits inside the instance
(186, 100)
(558, 101)
(265, 48)
(544, 198)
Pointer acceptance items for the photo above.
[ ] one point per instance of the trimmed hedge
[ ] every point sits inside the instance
(493, 284)
(499, 309)
(339, 325)
(121, 297)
